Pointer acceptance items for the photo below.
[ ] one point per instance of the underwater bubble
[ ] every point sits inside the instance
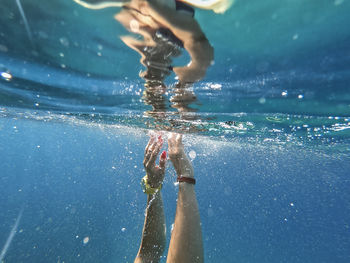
(64, 41)
(123, 229)
(210, 212)
(192, 154)
(262, 100)
(300, 96)
(284, 93)
(6, 76)
(86, 240)
(338, 2)
(3, 48)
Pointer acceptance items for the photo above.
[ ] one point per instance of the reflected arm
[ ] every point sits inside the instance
(189, 32)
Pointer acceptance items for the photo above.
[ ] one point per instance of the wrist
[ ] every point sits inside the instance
(185, 171)
(148, 188)
(154, 180)
(185, 179)
(154, 184)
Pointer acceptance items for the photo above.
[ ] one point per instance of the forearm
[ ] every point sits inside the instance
(201, 52)
(153, 235)
(186, 245)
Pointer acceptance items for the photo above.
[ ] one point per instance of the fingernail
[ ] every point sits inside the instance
(163, 155)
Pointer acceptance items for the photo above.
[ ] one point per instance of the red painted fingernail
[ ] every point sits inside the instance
(163, 155)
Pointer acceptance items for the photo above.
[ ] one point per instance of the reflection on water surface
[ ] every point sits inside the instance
(277, 69)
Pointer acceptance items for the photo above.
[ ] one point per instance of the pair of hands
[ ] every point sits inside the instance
(177, 156)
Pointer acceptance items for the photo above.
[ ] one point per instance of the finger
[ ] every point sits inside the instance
(147, 156)
(151, 151)
(150, 142)
(155, 152)
(148, 150)
(171, 139)
(179, 139)
(147, 162)
(154, 144)
(162, 160)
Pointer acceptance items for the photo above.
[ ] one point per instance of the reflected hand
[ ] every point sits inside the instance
(178, 157)
(202, 56)
(154, 172)
(189, 74)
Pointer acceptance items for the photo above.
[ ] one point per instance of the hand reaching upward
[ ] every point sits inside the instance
(154, 172)
(178, 157)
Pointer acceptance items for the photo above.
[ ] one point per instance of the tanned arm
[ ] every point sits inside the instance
(186, 244)
(153, 234)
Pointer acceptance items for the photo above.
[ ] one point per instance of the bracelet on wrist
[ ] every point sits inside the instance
(146, 187)
(189, 180)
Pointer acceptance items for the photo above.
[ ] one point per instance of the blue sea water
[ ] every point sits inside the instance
(270, 134)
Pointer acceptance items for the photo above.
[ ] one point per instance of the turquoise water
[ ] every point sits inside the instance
(270, 127)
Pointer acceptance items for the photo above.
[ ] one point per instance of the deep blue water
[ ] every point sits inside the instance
(271, 134)
(258, 203)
